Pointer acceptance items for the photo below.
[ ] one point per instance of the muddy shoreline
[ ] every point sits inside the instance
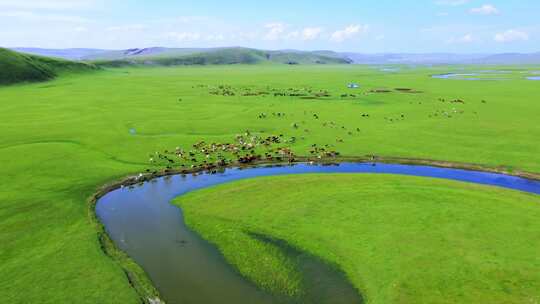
(139, 280)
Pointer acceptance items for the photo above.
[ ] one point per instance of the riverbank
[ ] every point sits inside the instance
(398, 238)
(140, 281)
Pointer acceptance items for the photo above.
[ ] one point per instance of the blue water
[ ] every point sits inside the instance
(187, 269)
(467, 76)
(534, 78)
(390, 70)
(455, 76)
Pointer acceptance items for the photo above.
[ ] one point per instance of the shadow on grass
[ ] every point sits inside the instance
(321, 282)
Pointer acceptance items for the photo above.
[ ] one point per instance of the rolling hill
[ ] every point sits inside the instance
(220, 56)
(69, 54)
(17, 67)
(162, 55)
(142, 52)
(193, 56)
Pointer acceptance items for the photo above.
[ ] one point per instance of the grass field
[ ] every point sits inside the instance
(64, 138)
(17, 67)
(399, 239)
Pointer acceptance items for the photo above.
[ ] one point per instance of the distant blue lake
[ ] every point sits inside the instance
(469, 76)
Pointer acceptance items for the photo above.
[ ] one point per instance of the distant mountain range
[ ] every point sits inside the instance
(189, 56)
(180, 56)
(444, 58)
(69, 54)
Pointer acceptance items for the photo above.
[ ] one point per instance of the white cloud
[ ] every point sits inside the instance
(278, 31)
(192, 19)
(311, 33)
(349, 32)
(468, 38)
(511, 36)
(215, 37)
(486, 9)
(35, 17)
(80, 29)
(294, 35)
(127, 28)
(275, 30)
(47, 4)
(452, 2)
(183, 36)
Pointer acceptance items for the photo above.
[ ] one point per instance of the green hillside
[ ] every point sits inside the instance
(223, 56)
(16, 67)
(306, 58)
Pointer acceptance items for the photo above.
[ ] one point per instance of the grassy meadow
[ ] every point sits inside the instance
(398, 239)
(64, 138)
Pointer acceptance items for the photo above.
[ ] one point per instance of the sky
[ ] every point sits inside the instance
(382, 26)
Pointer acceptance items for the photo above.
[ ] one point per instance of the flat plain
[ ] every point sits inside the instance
(62, 139)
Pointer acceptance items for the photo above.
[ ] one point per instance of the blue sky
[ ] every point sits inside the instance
(462, 26)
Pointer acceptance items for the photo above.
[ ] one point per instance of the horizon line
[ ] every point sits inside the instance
(261, 49)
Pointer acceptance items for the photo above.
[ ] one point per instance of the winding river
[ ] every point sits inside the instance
(187, 269)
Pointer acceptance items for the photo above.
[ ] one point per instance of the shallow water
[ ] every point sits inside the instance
(534, 78)
(187, 269)
(453, 75)
(390, 70)
(469, 76)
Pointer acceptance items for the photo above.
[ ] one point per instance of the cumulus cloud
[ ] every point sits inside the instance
(468, 38)
(278, 31)
(47, 4)
(486, 9)
(127, 28)
(35, 17)
(275, 30)
(311, 33)
(349, 32)
(511, 36)
(41, 11)
(215, 37)
(452, 2)
(183, 36)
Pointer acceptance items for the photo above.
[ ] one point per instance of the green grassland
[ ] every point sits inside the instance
(64, 138)
(16, 67)
(399, 239)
